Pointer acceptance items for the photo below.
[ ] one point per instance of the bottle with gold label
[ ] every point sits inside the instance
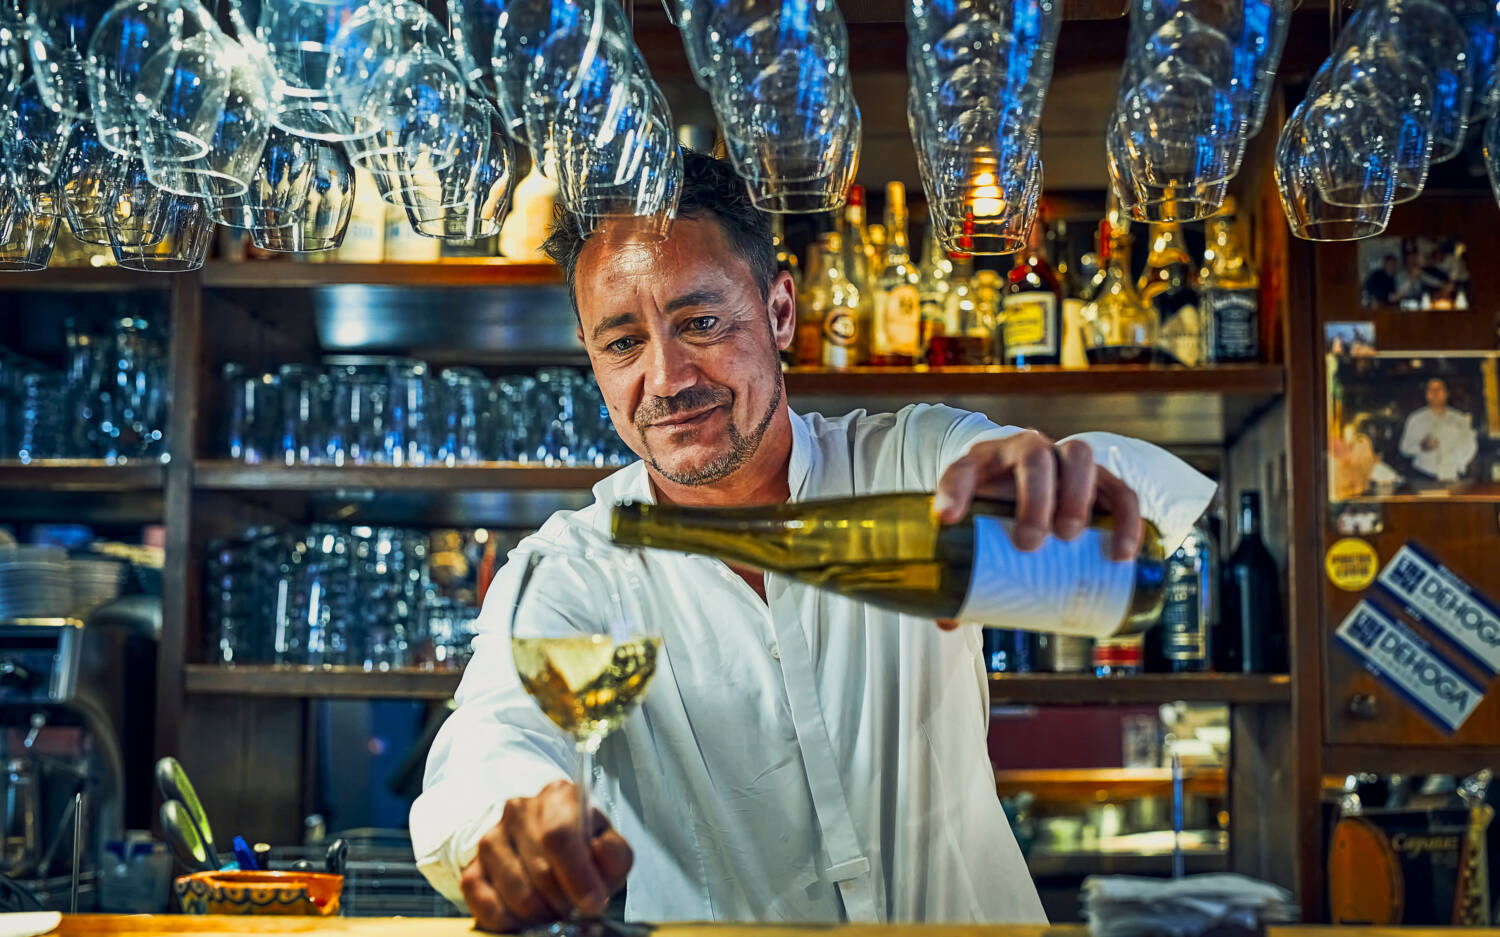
(1118, 327)
(813, 300)
(898, 303)
(1231, 292)
(1031, 323)
(846, 320)
(1169, 284)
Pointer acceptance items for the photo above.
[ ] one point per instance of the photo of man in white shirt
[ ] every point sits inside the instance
(1440, 441)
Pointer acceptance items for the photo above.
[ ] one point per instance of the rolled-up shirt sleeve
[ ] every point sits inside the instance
(497, 745)
(1172, 494)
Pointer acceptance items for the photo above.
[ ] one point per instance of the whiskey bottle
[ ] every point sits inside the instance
(1118, 328)
(847, 318)
(1231, 291)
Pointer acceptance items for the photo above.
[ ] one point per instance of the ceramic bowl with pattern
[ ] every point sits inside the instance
(312, 894)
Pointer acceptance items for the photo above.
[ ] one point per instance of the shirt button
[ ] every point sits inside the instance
(775, 650)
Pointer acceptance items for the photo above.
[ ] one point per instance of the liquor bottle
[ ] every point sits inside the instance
(962, 339)
(785, 259)
(933, 287)
(1252, 630)
(1190, 615)
(846, 320)
(364, 239)
(1168, 284)
(1009, 651)
(1117, 657)
(890, 550)
(875, 243)
(989, 303)
(1031, 324)
(1231, 291)
(856, 259)
(898, 303)
(1118, 327)
(813, 300)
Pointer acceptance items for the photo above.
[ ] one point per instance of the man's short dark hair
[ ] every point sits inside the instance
(710, 189)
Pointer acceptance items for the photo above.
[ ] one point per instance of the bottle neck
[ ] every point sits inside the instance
(1249, 520)
(897, 249)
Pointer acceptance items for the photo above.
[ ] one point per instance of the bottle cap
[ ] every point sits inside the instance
(895, 195)
(856, 195)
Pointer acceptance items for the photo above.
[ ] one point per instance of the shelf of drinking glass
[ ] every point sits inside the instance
(80, 475)
(230, 475)
(291, 275)
(1010, 689)
(321, 682)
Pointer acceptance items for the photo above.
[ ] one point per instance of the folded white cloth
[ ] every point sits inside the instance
(1131, 906)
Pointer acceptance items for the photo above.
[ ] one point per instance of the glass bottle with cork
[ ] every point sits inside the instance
(1231, 291)
(1118, 327)
(898, 303)
(1169, 284)
(1030, 326)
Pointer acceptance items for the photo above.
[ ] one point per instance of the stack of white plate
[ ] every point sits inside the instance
(96, 580)
(34, 582)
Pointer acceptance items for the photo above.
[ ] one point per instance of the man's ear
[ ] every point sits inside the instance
(781, 306)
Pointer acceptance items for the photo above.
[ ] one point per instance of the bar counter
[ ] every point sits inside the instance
(99, 925)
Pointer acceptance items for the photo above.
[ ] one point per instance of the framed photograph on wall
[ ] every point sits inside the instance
(1404, 425)
(1414, 273)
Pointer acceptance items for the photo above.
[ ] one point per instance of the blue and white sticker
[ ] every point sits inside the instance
(1408, 665)
(1434, 595)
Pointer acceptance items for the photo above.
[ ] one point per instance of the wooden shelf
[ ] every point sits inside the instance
(1029, 688)
(1081, 785)
(321, 683)
(287, 275)
(70, 475)
(925, 383)
(225, 475)
(1059, 689)
(85, 280)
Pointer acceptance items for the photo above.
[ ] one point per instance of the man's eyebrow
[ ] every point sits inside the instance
(613, 322)
(706, 297)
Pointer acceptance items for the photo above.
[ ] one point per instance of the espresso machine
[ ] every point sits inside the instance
(77, 713)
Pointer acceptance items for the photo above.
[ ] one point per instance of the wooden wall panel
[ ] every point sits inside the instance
(1463, 535)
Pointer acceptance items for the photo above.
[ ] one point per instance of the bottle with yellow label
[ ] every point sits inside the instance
(1031, 323)
(898, 302)
(846, 319)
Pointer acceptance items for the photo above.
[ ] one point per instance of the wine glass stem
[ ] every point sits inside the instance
(585, 773)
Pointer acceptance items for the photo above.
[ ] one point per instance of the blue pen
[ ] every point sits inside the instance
(244, 855)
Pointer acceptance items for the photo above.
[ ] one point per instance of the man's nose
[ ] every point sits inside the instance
(670, 369)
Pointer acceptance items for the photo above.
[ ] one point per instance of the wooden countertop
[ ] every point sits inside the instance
(100, 925)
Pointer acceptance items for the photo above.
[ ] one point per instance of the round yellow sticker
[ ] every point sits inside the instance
(1352, 564)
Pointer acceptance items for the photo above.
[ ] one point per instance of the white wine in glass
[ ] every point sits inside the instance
(585, 650)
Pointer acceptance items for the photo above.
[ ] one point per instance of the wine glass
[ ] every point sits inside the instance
(585, 650)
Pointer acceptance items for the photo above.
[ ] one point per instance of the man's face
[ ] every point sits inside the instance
(1437, 395)
(684, 346)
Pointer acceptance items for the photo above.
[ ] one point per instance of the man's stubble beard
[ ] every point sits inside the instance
(741, 449)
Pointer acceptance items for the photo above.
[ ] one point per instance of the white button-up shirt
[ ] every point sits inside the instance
(802, 758)
(1453, 433)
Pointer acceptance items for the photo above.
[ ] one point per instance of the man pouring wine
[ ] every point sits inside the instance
(801, 756)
